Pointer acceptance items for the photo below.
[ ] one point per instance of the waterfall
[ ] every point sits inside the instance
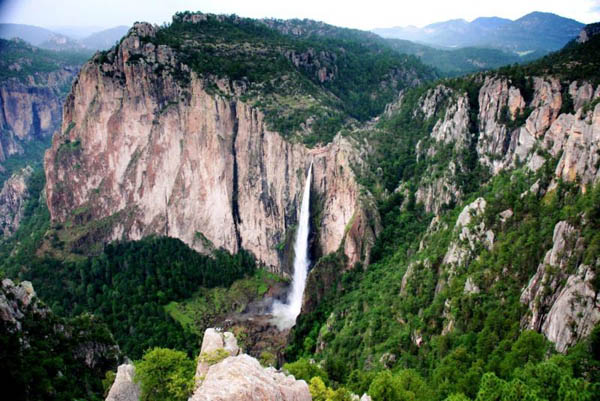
(284, 314)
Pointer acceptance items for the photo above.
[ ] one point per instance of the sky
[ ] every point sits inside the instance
(353, 14)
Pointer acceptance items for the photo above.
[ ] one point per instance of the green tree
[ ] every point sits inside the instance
(385, 387)
(457, 397)
(165, 375)
(529, 347)
(491, 388)
(303, 369)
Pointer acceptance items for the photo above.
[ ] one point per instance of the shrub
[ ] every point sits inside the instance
(165, 375)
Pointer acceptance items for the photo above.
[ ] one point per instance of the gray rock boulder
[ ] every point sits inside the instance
(214, 341)
(15, 299)
(124, 388)
(240, 377)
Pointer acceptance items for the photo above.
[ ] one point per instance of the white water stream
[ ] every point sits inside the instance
(284, 314)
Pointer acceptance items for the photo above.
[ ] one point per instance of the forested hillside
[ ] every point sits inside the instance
(455, 223)
(490, 232)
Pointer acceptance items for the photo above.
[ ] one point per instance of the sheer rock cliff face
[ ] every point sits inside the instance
(155, 155)
(561, 300)
(13, 195)
(31, 110)
(560, 297)
(502, 143)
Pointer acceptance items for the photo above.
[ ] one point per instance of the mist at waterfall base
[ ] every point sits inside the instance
(285, 314)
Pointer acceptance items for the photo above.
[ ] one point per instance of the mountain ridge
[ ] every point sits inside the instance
(516, 35)
(49, 39)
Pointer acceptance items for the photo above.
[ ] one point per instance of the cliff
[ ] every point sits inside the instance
(14, 194)
(487, 187)
(224, 373)
(33, 86)
(548, 129)
(150, 153)
(45, 356)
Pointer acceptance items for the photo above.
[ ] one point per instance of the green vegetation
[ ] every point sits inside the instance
(454, 62)
(406, 328)
(33, 156)
(207, 305)
(21, 60)
(371, 315)
(128, 286)
(577, 61)
(214, 357)
(46, 358)
(165, 375)
(284, 73)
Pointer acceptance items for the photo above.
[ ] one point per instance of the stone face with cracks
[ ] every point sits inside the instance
(180, 160)
(124, 387)
(563, 306)
(241, 377)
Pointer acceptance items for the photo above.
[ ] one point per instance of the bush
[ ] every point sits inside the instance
(165, 375)
(305, 370)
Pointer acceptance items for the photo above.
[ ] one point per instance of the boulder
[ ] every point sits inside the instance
(124, 388)
(241, 377)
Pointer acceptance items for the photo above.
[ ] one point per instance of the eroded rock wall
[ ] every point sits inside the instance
(31, 109)
(186, 160)
(13, 196)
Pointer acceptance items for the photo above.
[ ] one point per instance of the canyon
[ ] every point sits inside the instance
(159, 158)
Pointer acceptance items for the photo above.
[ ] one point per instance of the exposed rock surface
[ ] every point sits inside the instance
(13, 196)
(469, 236)
(440, 189)
(562, 303)
(213, 341)
(183, 161)
(31, 109)
(124, 387)
(242, 378)
(15, 299)
(588, 31)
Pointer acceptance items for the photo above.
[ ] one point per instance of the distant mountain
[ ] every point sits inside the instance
(76, 32)
(535, 31)
(35, 35)
(453, 62)
(52, 40)
(543, 31)
(105, 39)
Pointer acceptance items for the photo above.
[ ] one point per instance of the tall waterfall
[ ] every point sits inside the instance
(284, 314)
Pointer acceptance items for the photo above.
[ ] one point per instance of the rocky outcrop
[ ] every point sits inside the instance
(212, 342)
(30, 109)
(13, 196)
(588, 31)
(177, 158)
(321, 64)
(124, 387)
(439, 188)
(562, 302)
(575, 136)
(577, 139)
(242, 378)
(15, 300)
(470, 236)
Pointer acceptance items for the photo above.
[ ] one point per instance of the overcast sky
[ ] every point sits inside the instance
(363, 15)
